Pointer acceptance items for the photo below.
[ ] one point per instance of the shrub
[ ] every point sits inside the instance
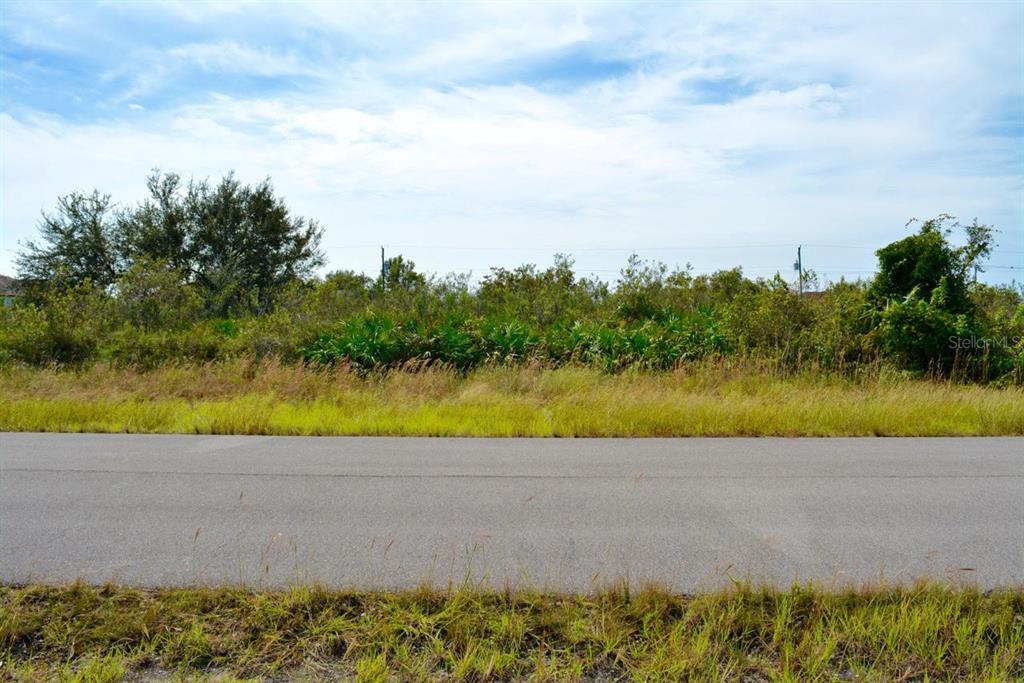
(157, 306)
(152, 296)
(920, 335)
(772, 320)
(65, 328)
(131, 346)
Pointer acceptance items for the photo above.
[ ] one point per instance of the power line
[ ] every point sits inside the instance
(570, 250)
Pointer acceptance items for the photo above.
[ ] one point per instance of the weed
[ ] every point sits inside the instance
(714, 398)
(928, 631)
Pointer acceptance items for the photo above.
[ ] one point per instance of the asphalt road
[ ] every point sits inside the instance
(560, 514)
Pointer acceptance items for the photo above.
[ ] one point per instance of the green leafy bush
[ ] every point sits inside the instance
(921, 335)
(374, 341)
(158, 286)
(65, 328)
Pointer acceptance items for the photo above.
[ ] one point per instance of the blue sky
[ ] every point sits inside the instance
(466, 136)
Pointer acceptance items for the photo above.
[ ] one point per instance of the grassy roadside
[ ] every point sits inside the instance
(923, 632)
(713, 399)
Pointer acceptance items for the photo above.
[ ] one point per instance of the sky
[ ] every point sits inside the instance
(466, 136)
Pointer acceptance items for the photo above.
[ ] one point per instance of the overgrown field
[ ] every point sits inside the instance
(924, 632)
(198, 275)
(720, 398)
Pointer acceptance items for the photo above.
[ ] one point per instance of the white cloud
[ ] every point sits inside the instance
(229, 57)
(845, 121)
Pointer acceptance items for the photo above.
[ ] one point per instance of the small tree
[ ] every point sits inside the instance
(640, 289)
(926, 264)
(400, 274)
(921, 295)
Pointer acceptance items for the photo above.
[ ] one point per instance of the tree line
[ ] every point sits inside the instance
(236, 246)
(200, 272)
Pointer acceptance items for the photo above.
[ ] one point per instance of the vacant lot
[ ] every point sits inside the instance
(712, 399)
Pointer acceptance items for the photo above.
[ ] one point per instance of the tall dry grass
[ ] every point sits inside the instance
(715, 398)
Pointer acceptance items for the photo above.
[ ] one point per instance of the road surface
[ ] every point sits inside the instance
(556, 514)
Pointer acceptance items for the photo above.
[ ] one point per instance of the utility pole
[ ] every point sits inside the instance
(798, 266)
(383, 267)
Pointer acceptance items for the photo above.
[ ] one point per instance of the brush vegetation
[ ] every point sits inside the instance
(198, 310)
(201, 272)
(907, 633)
(712, 398)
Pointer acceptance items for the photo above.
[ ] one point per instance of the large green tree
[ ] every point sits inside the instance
(80, 242)
(238, 245)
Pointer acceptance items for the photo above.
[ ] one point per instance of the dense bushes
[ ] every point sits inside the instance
(372, 341)
(838, 330)
(67, 329)
(141, 287)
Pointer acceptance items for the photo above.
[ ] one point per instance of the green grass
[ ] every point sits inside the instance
(714, 399)
(922, 632)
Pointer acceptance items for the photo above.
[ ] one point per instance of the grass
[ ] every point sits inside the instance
(711, 399)
(907, 633)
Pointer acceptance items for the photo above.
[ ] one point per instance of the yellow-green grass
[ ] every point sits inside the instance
(713, 399)
(707, 400)
(923, 632)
